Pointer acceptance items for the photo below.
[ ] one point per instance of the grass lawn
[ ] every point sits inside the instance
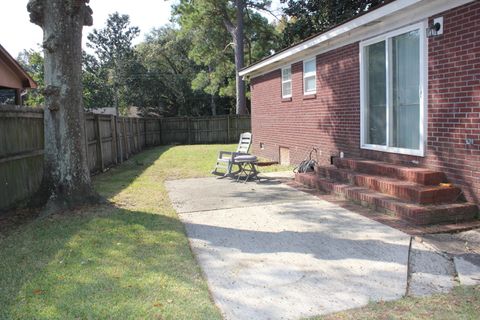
(131, 259)
(461, 304)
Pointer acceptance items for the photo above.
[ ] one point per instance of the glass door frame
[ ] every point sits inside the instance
(421, 27)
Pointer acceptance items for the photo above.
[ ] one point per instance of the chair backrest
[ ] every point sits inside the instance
(245, 142)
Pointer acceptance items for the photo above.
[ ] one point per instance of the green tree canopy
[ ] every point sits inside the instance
(116, 59)
(213, 27)
(167, 72)
(32, 62)
(309, 17)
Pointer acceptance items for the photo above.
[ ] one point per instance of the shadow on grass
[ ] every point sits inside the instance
(108, 184)
(119, 177)
(104, 263)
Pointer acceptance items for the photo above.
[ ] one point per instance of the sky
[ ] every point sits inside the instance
(18, 33)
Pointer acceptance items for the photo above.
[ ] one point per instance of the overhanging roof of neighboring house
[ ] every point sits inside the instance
(16, 69)
(390, 15)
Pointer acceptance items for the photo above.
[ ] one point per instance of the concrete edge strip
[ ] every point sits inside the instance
(409, 271)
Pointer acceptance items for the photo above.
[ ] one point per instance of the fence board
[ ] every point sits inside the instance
(109, 139)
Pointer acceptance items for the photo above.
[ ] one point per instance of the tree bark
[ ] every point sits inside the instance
(66, 180)
(238, 42)
(238, 46)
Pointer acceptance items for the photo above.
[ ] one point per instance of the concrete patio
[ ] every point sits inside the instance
(270, 251)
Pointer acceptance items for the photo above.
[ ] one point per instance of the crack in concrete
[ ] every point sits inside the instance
(409, 268)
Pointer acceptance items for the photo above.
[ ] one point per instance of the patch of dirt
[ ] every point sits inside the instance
(467, 242)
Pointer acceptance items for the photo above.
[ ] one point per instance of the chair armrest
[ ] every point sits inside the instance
(230, 155)
(224, 153)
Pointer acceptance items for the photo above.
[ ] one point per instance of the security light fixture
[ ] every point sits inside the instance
(436, 28)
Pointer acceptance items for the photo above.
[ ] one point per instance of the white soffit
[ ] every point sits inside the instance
(393, 15)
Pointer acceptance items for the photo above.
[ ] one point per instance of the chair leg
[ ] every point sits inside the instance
(215, 169)
(229, 169)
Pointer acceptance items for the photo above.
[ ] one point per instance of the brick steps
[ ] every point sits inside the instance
(411, 193)
(414, 213)
(406, 190)
(412, 174)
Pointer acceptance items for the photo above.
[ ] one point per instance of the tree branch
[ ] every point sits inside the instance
(261, 7)
(81, 7)
(36, 8)
(226, 19)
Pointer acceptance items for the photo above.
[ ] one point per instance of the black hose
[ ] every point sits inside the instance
(307, 165)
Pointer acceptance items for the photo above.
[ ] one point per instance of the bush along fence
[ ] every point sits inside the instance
(110, 140)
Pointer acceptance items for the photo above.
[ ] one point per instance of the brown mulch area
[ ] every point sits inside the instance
(386, 219)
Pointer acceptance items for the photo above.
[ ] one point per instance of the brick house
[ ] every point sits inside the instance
(13, 79)
(399, 83)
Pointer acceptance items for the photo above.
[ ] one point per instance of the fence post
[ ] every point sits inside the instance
(113, 129)
(119, 130)
(134, 134)
(145, 132)
(160, 127)
(189, 131)
(98, 133)
(131, 139)
(128, 134)
(236, 126)
(85, 119)
(228, 129)
(137, 135)
(125, 138)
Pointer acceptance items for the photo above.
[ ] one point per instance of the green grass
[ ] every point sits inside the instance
(461, 304)
(129, 260)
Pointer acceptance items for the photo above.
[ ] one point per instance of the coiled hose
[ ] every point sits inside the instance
(307, 165)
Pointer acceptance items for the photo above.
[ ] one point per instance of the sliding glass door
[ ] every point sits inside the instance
(392, 92)
(376, 85)
(406, 90)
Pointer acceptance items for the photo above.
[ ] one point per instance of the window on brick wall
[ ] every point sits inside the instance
(287, 82)
(392, 91)
(309, 76)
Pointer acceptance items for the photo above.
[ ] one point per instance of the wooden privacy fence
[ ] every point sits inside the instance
(110, 140)
(21, 153)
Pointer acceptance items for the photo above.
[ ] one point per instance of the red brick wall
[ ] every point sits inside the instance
(331, 120)
(454, 99)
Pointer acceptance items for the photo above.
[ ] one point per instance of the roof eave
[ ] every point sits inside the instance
(380, 13)
(27, 81)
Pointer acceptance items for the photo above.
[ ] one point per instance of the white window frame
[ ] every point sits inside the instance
(421, 27)
(308, 75)
(285, 96)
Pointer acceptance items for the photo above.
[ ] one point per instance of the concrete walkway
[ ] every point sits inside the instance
(463, 249)
(272, 252)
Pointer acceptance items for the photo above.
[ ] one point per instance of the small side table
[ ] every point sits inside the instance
(247, 167)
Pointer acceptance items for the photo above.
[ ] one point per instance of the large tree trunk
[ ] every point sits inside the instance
(238, 42)
(236, 30)
(66, 179)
